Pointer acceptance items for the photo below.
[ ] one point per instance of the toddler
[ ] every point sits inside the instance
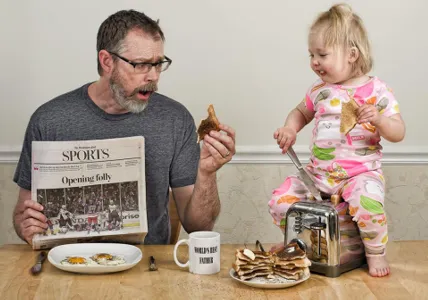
(344, 163)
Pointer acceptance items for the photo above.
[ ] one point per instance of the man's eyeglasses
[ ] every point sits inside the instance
(145, 67)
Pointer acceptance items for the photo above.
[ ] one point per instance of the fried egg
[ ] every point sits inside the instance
(99, 256)
(74, 260)
(107, 259)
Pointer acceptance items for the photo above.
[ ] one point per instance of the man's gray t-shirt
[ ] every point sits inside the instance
(171, 149)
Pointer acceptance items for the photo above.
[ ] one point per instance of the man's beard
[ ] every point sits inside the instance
(131, 102)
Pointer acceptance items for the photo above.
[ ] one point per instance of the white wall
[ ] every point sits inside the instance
(249, 58)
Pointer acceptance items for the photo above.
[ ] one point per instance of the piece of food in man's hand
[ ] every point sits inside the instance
(210, 123)
(348, 117)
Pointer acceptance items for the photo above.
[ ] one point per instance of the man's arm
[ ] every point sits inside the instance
(27, 217)
(198, 205)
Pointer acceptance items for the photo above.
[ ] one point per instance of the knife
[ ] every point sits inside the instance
(37, 268)
(304, 175)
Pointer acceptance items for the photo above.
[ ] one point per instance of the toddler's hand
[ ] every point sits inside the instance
(285, 137)
(368, 113)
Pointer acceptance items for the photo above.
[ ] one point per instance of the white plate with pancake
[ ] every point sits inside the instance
(277, 282)
(123, 258)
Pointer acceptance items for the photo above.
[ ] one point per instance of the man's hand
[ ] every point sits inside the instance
(28, 219)
(285, 137)
(217, 149)
(368, 113)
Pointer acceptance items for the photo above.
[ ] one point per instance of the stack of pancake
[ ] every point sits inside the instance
(290, 263)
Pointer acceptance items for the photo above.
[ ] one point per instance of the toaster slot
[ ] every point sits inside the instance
(318, 227)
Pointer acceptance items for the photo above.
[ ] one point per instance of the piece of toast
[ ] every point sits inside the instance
(210, 123)
(348, 118)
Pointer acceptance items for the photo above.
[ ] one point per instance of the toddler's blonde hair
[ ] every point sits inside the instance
(341, 27)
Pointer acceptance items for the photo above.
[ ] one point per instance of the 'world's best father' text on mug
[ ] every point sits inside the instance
(204, 252)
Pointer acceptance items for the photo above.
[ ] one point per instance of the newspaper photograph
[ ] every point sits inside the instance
(90, 190)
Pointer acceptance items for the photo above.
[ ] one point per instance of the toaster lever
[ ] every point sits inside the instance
(318, 226)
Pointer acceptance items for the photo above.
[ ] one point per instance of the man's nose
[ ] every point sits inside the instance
(153, 75)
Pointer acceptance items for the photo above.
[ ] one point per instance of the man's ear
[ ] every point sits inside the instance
(106, 61)
(354, 53)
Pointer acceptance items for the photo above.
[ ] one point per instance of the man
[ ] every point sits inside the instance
(114, 218)
(124, 102)
(103, 217)
(64, 217)
(91, 212)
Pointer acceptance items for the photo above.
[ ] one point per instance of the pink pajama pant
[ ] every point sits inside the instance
(364, 194)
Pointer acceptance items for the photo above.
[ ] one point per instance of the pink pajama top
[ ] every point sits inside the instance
(336, 156)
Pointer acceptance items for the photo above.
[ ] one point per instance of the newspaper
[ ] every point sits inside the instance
(91, 191)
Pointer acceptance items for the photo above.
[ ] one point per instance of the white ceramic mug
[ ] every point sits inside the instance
(204, 252)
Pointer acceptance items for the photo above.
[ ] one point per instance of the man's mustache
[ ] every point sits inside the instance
(150, 87)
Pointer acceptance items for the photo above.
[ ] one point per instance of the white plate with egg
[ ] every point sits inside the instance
(95, 258)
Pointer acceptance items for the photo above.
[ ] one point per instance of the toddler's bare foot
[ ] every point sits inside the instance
(378, 266)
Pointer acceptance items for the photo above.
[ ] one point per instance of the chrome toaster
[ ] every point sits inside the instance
(326, 232)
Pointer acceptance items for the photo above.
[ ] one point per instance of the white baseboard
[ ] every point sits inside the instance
(392, 154)
(9, 154)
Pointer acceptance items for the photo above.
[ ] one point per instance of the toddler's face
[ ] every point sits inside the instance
(331, 64)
